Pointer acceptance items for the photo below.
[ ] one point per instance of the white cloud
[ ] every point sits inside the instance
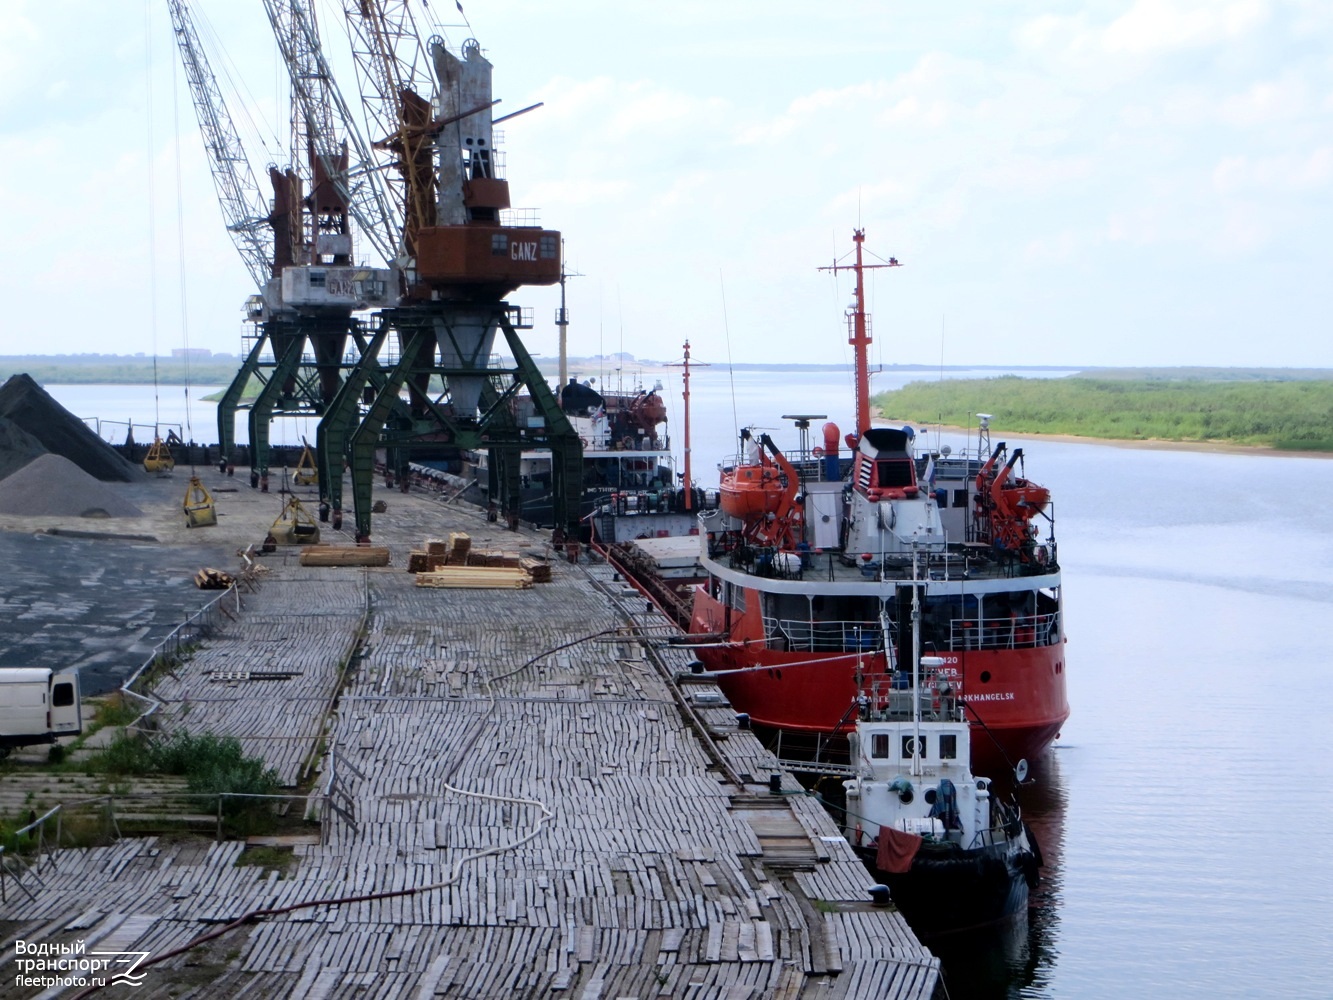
(1160, 25)
(18, 50)
(1266, 102)
(1290, 173)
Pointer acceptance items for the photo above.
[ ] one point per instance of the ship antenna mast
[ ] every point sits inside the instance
(858, 327)
(562, 321)
(689, 480)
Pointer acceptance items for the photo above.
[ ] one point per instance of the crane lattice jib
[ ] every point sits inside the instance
(391, 64)
(324, 110)
(243, 207)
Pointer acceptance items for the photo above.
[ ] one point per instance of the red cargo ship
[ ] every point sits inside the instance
(812, 565)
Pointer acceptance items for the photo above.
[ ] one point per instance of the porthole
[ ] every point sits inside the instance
(985, 677)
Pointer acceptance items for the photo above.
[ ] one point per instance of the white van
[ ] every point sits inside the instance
(37, 705)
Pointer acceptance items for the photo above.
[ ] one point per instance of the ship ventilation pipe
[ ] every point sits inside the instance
(832, 469)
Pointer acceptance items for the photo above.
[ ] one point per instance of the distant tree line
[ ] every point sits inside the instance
(94, 369)
(1295, 415)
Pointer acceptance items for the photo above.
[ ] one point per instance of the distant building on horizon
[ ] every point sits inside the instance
(191, 352)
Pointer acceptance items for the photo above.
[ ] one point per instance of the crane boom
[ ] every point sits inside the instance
(243, 206)
(324, 110)
(394, 72)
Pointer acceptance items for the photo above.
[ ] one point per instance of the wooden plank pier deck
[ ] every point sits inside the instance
(531, 814)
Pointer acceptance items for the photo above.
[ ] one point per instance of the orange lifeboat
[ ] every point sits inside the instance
(647, 410)
(750, 491)
(761, 491)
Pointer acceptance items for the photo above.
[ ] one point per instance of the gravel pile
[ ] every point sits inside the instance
(17, 447)
(27, 404)
(53, 486)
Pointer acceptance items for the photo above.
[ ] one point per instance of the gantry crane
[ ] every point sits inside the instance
(458, 263)
(299, 251)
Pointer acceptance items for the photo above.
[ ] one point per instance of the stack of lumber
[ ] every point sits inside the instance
(476, 577)
(348, 555)
(460, 544)
(455, 563)
(209, 578)
(538, 569)
(492, 558)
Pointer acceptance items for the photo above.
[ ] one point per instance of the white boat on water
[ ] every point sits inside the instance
(953, 855)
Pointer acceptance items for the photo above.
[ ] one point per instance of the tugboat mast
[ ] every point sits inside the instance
(858, 328)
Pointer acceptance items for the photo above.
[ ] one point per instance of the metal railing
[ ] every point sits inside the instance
(338, 799)
(178, 643)
(13, 866)
(804, 636)
(1005, 632)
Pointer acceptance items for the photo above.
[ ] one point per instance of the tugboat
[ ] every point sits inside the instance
(953, 855)
(809, 578)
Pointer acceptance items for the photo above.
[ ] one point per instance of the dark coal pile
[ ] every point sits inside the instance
(53, 486)
(17, 447)
(27, 405)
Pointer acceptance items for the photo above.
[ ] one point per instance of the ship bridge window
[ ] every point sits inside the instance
(546, 247)
(879, 745)
(948, 746)
(893, 472)
(499, 245)
(911, 748)
(960, 498)
(317, 279)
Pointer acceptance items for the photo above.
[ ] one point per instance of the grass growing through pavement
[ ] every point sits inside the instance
(210, 764)
(1295, 415)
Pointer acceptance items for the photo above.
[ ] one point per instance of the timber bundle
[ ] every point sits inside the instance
(454, 564)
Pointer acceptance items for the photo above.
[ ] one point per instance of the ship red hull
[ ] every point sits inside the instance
(1018, 695)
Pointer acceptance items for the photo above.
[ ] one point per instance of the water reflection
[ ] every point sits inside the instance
(1017, 959)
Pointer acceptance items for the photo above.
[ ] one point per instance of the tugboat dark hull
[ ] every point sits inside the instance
(949, 890)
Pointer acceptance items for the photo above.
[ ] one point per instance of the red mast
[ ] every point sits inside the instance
(858, 328)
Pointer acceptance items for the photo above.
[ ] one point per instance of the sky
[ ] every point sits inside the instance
(1115, 182)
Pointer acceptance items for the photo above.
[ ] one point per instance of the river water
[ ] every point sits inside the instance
(1174, 808)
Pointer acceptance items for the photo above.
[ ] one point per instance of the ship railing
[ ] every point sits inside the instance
(800, 635)
(662, 501)
(1005, 632)
(890, 700)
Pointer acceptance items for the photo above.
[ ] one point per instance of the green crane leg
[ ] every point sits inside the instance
(566, 448)
(261, 413)
(367, 435)
(335, 427)
(230, 401)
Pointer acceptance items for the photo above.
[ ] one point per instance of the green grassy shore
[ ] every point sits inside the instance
(1286, 415)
